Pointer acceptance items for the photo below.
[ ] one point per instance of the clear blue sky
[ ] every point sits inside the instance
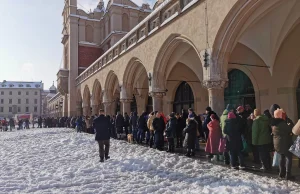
(30, 38)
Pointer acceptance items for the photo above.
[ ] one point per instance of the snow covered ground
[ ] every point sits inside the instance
(62, 161)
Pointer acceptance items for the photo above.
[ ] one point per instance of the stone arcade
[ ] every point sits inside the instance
(253, 48)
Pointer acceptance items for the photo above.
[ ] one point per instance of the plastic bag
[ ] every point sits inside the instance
(295, 148)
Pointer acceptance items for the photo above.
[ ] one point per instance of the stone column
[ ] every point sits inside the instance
(125, 103)
(107, 107)
(216, 94)
(157, 98)
(95, 109)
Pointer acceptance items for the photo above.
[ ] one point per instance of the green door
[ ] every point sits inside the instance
(298, 98)
(240, 91)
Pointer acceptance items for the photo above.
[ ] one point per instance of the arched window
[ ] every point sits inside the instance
(184, 98)
(89, 33)
(133, 105)
(298, 98)
(240, 90)
(125, 22)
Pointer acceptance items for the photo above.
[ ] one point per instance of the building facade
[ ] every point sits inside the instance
(20, 98)
(194, 54)
(46, 96)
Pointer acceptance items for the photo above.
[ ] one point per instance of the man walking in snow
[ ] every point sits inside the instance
(101, 126)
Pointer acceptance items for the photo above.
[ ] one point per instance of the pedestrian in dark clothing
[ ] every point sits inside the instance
(282, 137)
(102, 130)
(159, 127)
(181, 124)
(235, 145)
(171, 131)
(119, 125)
(142, 127)
(190, 132)
(133, 124)
(79, 124)
(40, 121)
(126, 123)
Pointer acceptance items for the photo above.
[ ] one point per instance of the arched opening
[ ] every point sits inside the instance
(125, 22)
(112, 94)
(86, 101)
(89, 33)
(149, 107)
(240, 89)
(298, 98)
(133, 105)
(184, 98)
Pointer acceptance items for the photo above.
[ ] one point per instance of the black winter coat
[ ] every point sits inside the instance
(119, 121)
(231, 129)
(158, 125)
(102, 127)
(126, 121)
(133, 121)
(171, 128)
(142, 123)
(191, 132)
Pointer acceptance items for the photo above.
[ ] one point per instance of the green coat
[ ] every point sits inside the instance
(261, 134)
(223, 118)
(282, 136)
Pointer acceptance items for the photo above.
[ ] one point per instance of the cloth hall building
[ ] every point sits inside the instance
(181, 54)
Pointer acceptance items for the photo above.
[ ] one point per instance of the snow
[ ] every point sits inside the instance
(62, 161)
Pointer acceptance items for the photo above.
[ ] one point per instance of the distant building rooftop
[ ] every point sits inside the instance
(21, 84)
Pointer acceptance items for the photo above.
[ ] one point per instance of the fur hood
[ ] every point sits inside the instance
(296, 129)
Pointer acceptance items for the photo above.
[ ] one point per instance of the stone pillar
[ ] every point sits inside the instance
(216, 94)
(95, 109)
(157, 98)
(125, 103)
(107, 107)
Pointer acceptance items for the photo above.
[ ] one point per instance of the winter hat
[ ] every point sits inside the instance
(213, 116)
(191, 115)
(208, 109)
(240, 109)
(229, 107)
(257, 112)
(231, 115)
(273, 108)
(172, 114)
(279, 113)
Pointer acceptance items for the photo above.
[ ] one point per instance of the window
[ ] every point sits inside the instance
(2, 101)
(27, 109)
(184, 97)
(2, 92)
(35, 101)
(35, 93)
(19, 101)
(10, 101)
(10, 109)
(19, 109)
(1, 109)
(35, 109)
(19, 93)
(10, 92)
(27, 93)
(27, 101)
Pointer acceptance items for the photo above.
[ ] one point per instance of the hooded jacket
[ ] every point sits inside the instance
(261, 131)
(223, 118)
(282, 135)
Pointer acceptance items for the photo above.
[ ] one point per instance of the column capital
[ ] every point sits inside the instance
(107, 103)
(158, 94)
(215, 84)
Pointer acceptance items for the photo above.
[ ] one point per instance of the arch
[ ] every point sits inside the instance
(174, 43)
(240, 90)
(86, 97)
(125, 22)
(184, 97)
(97, 93)
(89, 33)
(245, 14)
(111, 84)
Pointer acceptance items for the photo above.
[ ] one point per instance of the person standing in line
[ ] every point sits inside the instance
(171, 131)
(79, 124)
(102, 135)
(151, 129)
(126, 123)
(119, 125)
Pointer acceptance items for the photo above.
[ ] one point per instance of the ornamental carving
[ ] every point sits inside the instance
(157, 94)
(215, 84)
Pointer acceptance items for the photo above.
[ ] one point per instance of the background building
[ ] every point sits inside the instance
(20, 98)
(46, 96)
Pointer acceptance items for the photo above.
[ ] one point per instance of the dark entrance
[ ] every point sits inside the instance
(149, 107)
(184, 98)
(298, 98)
(118, 107)
(240, 90)
(133, 106)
